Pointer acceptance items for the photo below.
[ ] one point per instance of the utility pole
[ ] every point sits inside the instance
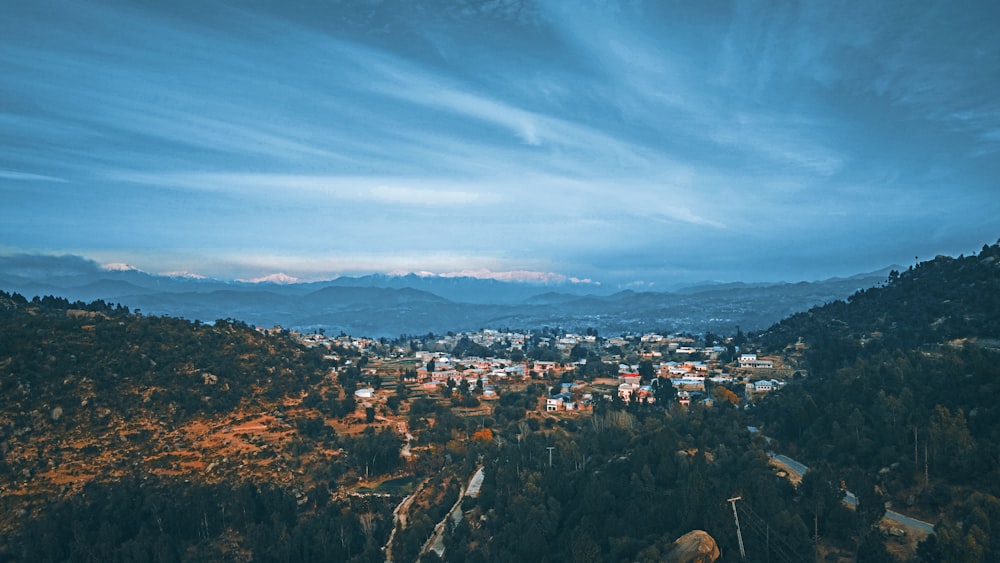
(927, 477)
(550, 448)
(739, 534)
(816, 535)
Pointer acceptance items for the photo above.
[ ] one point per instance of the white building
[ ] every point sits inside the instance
(750, 361)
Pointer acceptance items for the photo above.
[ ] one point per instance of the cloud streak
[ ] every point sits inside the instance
(597, 141)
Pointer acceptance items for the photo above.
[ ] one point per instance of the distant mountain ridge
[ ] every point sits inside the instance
(385, 305)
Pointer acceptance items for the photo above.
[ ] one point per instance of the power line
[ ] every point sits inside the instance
(774, 542)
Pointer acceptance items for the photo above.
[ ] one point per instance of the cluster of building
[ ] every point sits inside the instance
(666, 354)
(471, 372)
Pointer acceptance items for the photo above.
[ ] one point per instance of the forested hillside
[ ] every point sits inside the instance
(629, 482)
(133, 438)
(95, 361)
(933, 302)
(902, 391)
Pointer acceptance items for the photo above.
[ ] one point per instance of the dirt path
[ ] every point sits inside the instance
(399, 515)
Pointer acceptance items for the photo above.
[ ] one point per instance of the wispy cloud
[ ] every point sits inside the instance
(293, 188)
(491, 137)
(411, 196)
(28, 177)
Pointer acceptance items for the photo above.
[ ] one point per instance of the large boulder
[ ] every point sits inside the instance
(693, 547)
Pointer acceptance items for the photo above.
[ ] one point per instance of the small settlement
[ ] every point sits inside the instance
(577, 371)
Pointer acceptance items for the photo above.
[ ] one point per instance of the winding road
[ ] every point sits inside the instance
(436, 541)
(852, 500)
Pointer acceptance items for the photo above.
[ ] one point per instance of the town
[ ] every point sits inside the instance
(576, 371)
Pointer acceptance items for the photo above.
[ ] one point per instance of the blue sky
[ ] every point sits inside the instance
(630, 143)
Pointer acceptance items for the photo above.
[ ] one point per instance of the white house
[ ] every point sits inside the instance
(553, 403)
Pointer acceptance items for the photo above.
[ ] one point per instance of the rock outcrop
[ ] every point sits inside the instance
(693, 547)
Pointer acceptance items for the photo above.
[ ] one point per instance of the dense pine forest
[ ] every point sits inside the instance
(126, 437)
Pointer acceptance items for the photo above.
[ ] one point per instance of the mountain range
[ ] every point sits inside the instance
(385, 305)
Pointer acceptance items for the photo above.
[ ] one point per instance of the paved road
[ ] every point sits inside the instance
(904, 520)
(791, 463)
(851, 499)
(436, 541)
(475, 483)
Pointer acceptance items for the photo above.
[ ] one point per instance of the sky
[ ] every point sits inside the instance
(636, 144)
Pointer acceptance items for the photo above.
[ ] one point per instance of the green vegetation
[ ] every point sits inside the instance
(626, 484)
(140, 519)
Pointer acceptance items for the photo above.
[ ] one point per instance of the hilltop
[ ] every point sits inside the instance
(900, 400)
